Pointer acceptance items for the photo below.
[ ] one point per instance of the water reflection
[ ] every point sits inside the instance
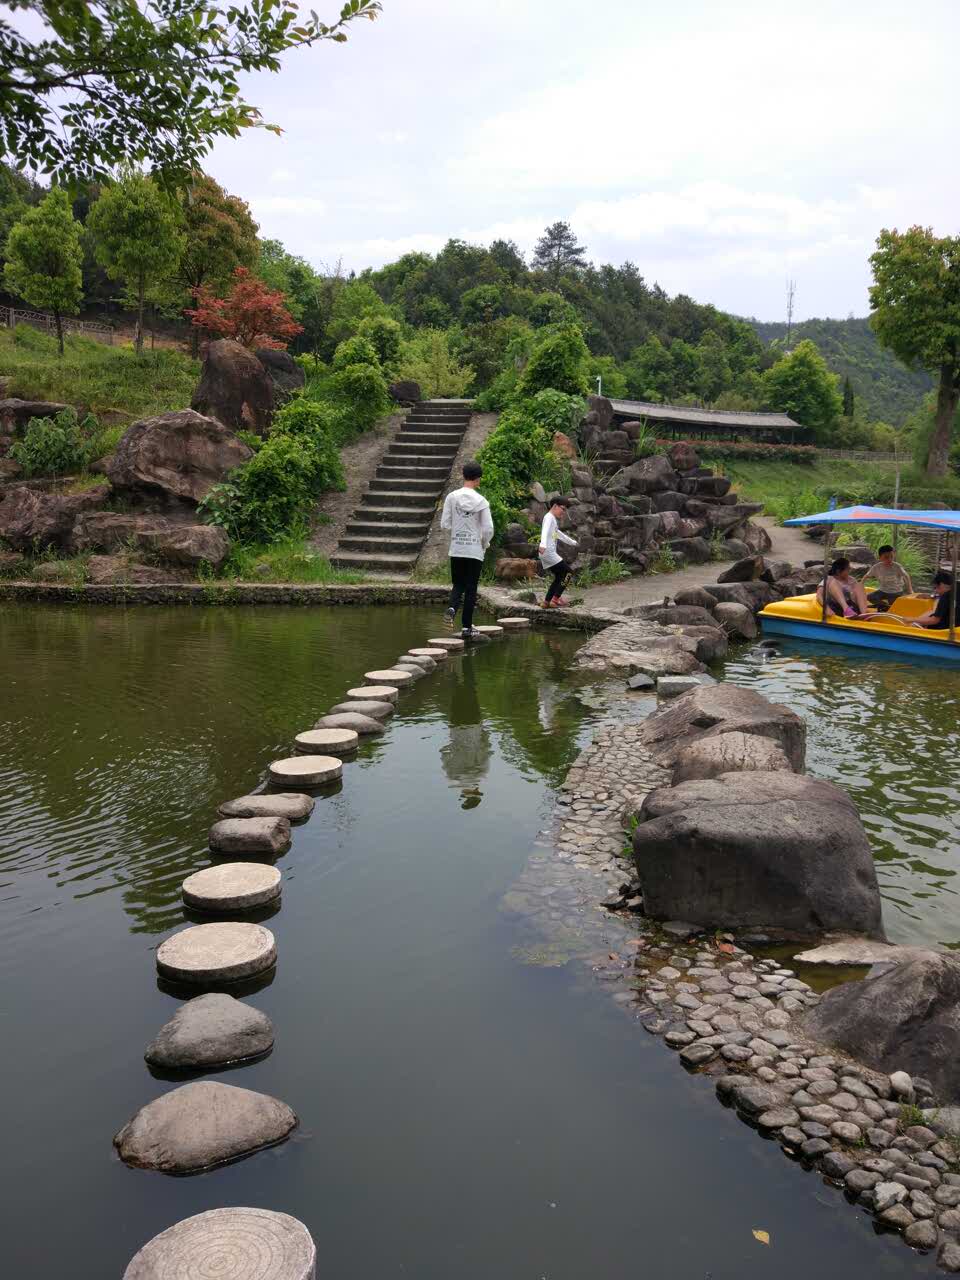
(466, 754)
(887, 731)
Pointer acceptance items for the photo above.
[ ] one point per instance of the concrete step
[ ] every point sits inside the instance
(394, 498)
(387, 545)
(359, 527)
(437, 419)
(401, 448)
(414, 516)
(448, 439)
(388, 483)
(388, 470)
(447, 432)
(362, 562)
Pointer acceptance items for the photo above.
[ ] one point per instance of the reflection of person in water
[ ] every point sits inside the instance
(466, 757)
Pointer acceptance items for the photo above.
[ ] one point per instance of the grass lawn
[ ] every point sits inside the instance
(789, 489)
(94, 376)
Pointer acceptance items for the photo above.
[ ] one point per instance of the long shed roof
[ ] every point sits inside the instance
(729, 419)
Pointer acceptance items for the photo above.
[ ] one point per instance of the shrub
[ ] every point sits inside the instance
(384, 334)
(428, 360)
(559, 361)
(360, 392)
(53, 446)
(356, 350)
(748, 451)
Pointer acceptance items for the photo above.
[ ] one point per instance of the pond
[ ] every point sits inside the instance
(462, 1112)
(888, 731)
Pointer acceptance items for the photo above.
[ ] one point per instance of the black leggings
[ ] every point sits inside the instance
(559, 574)
(465, 576)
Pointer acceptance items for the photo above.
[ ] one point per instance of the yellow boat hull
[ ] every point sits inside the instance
(801, 617)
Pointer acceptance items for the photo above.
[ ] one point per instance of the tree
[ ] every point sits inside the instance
(915, 298)
(124, 81)
(557, 251)
(426, 359)
(848, 399)
(384, 333)
(137, 236)
(801, 385)
(44, 256)
(220, 235)
(558, 363)
(250, 314)
(17, 194)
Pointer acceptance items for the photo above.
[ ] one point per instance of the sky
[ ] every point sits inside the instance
(721, 147)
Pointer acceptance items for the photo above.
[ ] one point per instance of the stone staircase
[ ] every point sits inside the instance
(387, 531)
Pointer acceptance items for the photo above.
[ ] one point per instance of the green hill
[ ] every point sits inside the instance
(886, 390)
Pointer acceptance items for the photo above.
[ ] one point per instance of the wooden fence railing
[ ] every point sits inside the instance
(11, 316)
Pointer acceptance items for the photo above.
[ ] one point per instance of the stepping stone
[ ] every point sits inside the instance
(426, 664)
(490, 630)
(305, 771)
(221, 952)
(438, 655)
(411, 668)
(328, 742)
(514, 624)
(201, 1125)
(350, 720)
(231, 886)
(452, 644)
(231, 1244)
(390, 676)
(211, 1030)
(289, 805)
(250, 835)
(372, 708)
(374, 693)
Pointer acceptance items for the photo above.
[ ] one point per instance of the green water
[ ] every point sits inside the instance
(469, 1105)
(888, 731)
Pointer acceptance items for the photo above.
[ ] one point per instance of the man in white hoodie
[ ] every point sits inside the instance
(466, 514)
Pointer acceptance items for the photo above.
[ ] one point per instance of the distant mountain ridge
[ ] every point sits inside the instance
(885, 390)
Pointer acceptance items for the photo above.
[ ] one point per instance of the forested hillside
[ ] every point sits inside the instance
(885, 388)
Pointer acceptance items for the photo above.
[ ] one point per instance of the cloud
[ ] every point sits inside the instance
(298, 206)
(282, 175)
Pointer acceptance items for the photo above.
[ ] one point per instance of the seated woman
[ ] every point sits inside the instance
(845, 596)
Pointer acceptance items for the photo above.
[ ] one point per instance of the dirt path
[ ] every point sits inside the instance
(788, 544)
(360, 461)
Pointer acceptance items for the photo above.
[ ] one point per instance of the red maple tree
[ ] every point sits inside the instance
(251, 313)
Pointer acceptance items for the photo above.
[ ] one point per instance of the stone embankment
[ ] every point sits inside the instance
(846, 1082)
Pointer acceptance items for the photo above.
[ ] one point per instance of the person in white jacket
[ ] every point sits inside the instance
(550, 558)
(466, 514)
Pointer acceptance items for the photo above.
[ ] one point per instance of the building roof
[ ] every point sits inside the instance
(727, 419)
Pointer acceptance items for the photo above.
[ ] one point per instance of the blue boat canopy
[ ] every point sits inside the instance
(949, 520)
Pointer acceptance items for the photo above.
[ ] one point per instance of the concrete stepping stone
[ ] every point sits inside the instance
(211, 1030)
(231, 886)
(426, 664)
(250, 835)
(200, 1125)
(329, 742)
(363, 725)
(289, 805)
(372, 708)
(438, 655)
(374, 693)
(222, 952)
(230, 1244)
(514, 624)
(390, 676)
(305, 771)
(452, 644)
(490, 630)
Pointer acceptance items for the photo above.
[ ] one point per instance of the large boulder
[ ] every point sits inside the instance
(602, 407)
(683, 456)
(405, 392)
(209, 1031)
(753, 594)
(775, 851)
(713, 486)
(696, 550)
(747, 570)
(284, 372)
(756, 538)
(901, 1018)
(120, 570)
(632, 647)
(648, 475)
(677, 615)
(737, 620)
(234, 388)
(15, 414)
(35, 519)
(696, 596)
(174, 541)
(711, 641)
(179, 455)
(733, 752)
(722, 708)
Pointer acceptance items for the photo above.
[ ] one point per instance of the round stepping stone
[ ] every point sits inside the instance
(231, 886)
(452, 644)
(438, 655)
(305, 771)
(228, 1244)
(490, 630)
(211, 1030)
(374, 693)
(330, 742)
(221, 952)
(250, 835)
(289, 805)
(426, 664)
(201, 1125)
(372, 708)
(363, 725)
(514, 624)
(390, 676)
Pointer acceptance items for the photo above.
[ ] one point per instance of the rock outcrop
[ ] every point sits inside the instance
(234, 388)
(285, 374)
(903, 1018)
(36, 519)
(773, 851)
(734, 752)
(718, 709)
(174, 541)
(176, 456)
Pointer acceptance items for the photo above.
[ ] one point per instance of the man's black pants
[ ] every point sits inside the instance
(465, 576)
(559, 574)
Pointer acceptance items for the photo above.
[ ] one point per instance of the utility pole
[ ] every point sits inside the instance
(791, 290)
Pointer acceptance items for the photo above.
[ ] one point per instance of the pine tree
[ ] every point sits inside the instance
(44, 256)
(847, 398)
(558, 251)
